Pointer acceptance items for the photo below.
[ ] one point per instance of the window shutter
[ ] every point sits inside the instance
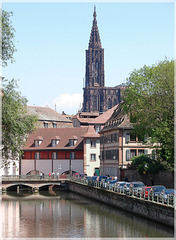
(127, 137)
(127, 154)
(153, 153)
(146, 151)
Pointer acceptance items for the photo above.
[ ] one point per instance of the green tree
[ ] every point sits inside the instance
(149, 101)
(146, 164)
(16, 124)
(8, 37)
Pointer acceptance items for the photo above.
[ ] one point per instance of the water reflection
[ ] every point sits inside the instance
(67, 215)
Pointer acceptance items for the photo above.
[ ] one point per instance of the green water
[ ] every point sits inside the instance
(64, 214)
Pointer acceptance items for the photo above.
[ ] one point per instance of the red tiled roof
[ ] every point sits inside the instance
(39, 138)
(118, 120)
(49, 133)
(103, 117)
(73, 137)
(91, 133)
(82, 119)
(56, 138)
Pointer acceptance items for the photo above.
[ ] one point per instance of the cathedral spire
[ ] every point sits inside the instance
(94, 36)
(94, 15)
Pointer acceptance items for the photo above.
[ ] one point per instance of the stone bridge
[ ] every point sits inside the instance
(33, 183)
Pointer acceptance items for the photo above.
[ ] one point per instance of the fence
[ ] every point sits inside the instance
(168, 200)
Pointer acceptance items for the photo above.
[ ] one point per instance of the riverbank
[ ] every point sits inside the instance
(157, 212)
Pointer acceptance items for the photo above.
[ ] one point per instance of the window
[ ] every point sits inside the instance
(54, 155)
(71, 142)
(54, 125)
(132, 137)
(140, 152)
(74, 124)
(36, 143)
(45, 125)
(93, 157)
(38, 140)
(93, 143)
(72, 155)
(54, 142)
(132, 153)
(37, 155)
(112, 154)
(140, 138)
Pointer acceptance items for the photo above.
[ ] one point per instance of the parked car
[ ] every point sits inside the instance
(120, 185)
(168, 193)
(110, 183)
(145, 191)
(156, 190)
(136, 186)
(82, 175)
(102, 178)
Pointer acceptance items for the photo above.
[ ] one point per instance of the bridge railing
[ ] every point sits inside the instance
(32, 177)
(169, 200)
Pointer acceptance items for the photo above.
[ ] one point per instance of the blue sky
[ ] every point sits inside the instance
(51, 39)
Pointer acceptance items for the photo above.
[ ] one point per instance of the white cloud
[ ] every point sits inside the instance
(69, 103)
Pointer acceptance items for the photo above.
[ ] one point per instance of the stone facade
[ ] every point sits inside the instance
(97, 97)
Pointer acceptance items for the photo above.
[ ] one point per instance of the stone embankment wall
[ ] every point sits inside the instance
(165, 178)
(158, 212)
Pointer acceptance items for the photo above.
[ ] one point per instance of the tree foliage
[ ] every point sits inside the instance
(149, 101)
(8, 37)
(16, 124)
(145, 164)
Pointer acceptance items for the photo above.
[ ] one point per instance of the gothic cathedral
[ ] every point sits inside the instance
(97, 97)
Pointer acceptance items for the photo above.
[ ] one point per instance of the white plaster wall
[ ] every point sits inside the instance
(77, 165)
(91, 165)
(26, 166)
(64, 164)
(44, 166)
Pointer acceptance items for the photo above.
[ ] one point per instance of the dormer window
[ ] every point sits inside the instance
(37, 141)
(55, 141)
(73, 140)
(97, 128)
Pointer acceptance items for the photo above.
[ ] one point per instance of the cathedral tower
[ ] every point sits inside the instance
(94, 58)
(97, 97)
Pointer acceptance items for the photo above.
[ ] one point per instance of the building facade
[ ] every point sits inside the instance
(118, 145)
(92, 151)
(48, 118)
(53, 150)
(97, 97)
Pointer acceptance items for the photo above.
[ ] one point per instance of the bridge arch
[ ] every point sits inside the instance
(13, 186)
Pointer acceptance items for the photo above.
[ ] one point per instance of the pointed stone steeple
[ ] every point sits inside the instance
(94, 36)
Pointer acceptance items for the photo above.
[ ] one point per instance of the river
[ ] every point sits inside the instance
(63, 214)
